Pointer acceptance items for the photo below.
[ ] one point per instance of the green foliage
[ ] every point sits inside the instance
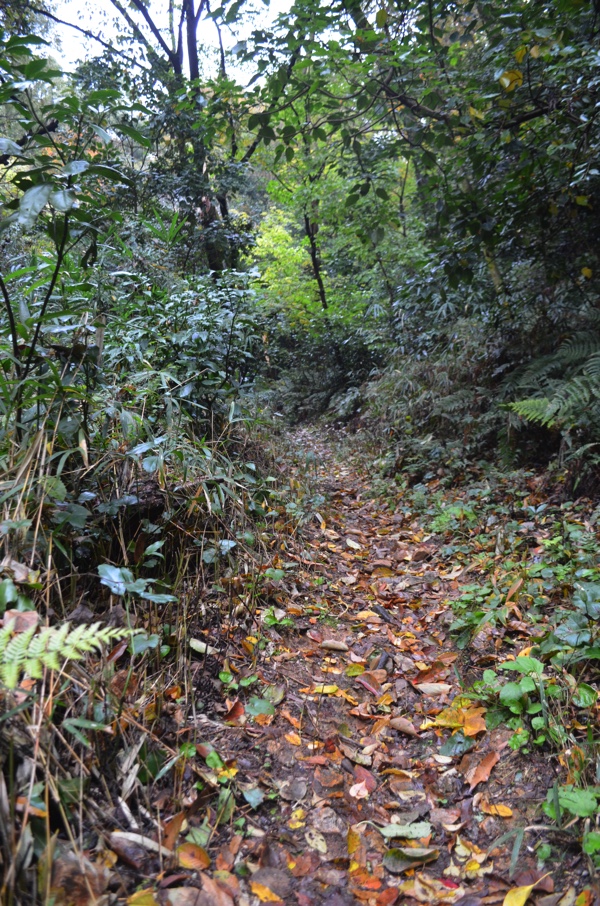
(33, 650)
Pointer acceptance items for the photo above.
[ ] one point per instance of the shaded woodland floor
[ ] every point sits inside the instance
(366, 775)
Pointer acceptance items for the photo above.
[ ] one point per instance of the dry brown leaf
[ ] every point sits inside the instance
(403, 726)
(359, 790)
(433, 688)
(76, 881)
(480, 771)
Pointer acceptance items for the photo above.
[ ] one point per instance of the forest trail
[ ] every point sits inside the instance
(387, 787)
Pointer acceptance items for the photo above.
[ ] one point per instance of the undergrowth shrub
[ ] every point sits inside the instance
(318, 367)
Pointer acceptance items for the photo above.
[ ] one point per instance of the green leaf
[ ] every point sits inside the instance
(407, 831)
(134, 134)
(591, 842)
(115, 578)
(214, 761)
(254, 796)
(102, 134)
(62, 199)
(259, 706)
(524, 665)
(585, 696)
(511, 693)
(9, 147)
(582, 803)
(32, 204)
(75, 168)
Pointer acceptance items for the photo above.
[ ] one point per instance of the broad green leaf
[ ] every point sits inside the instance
(258, 706)
(579, 802)
(406, 831)
(585, 696)
(7, 146)
(75, 168)
(62, 199)
(32, 204)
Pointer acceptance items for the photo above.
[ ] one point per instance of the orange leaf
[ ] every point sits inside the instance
(189, 855)
(171, 830)
(235, 714)
(500, 811)
(264, 894)
(480, 772)
(293, 720)
(293, 738)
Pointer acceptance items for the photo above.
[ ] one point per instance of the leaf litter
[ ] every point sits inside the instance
(341, 759)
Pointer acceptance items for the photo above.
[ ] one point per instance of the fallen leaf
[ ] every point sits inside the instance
(264, 894)
(499, 811)
(354, 545)
(480, 771)
(142, 898)
(316, 840)
(433, 688)
(429, 890)
(461, 715)
(403, 725)
(76, 881)
(518, 896)
(401, 859)
(294, 721)
(191, 856)
(293, 739)
(333, 645)
(359, 791)
(362, 774)
(297, 819)
(415, 831)
(236, 714)
(320, 689)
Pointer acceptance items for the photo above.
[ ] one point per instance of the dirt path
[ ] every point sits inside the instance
(366, 775)
(376, 801)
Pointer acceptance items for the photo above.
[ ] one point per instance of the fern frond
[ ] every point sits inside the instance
(51, 647)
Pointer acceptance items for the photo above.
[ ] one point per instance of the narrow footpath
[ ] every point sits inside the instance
(373, 778)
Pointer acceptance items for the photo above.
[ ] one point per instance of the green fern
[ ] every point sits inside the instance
(562, 389)
(31, 651)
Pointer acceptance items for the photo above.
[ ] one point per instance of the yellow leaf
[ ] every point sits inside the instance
(535, 51)
(353, 841)
(322, 689)
(192, 856)
(476, 114)
(511, 79)
(587, 272)
(520, 53)
(264, 894)
(293, 738)
(297, 819)
(142, 898)
(518, 896)
(581, 199)
(500, 811)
